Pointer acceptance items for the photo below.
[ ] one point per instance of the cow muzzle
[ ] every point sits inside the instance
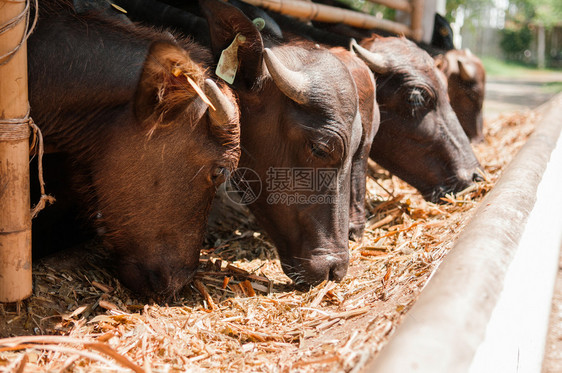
(314, 269)
(159, 282)
(457, 184)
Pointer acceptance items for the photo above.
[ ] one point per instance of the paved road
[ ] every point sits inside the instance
(505, 95)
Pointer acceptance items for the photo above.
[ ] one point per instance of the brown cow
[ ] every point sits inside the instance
(147, 151)
(299, 112)
(466, 79)
(420, 139)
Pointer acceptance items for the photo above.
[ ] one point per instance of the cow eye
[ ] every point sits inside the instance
(319, 151)
(416, 99)
(219, 174)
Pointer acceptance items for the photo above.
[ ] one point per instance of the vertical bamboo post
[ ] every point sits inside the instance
(416, 23)
(15, 220)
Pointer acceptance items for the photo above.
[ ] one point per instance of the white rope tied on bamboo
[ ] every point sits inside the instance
(15, 129)
(24, 14)
(18, 129)
(38, 138)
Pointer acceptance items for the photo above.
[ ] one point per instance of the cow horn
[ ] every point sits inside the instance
(375, 61)
(467, 71)
(293, 84)
(225, 111)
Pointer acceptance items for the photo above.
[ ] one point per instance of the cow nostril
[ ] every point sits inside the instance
(356, 232)
(337, 271)
(477, 177)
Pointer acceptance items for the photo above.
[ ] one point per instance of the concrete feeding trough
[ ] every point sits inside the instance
(486, 307)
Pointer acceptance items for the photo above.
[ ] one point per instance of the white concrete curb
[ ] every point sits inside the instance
(486, 308)
(516, 333)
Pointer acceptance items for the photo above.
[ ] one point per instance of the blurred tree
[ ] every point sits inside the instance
(515, 41)
(524, 14)
(547, 13)
(474, 7)
(524, 21)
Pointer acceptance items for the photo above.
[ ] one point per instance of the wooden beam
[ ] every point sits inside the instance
(324, 13)
(416, 23)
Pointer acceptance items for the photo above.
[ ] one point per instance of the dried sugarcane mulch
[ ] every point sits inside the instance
(242, 313)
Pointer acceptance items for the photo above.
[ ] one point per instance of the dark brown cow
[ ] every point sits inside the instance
(420, 139)
(299, 111)
(147, 151)
(289, 31)
(466, 79)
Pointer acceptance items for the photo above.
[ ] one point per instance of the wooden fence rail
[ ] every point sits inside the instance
(324, 13)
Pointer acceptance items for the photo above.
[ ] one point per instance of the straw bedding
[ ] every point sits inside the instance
(241, 313)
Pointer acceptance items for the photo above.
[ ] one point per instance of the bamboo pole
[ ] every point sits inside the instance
(15, 220)
(417, 19)
(324, 13)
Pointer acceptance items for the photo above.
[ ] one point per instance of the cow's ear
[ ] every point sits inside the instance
(225, 23)
(169, 86)
(441, 62)
(451, 63)
(467, 70)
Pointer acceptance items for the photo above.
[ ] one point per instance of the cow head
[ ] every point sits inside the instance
(158, 173)
(300, 128)
(466, 79)
(420, 139)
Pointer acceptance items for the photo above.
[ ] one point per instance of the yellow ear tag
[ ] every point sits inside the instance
(119, 8)
(228, 61)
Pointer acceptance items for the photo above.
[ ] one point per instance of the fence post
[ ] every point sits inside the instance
(15, 220)
(416, 23)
